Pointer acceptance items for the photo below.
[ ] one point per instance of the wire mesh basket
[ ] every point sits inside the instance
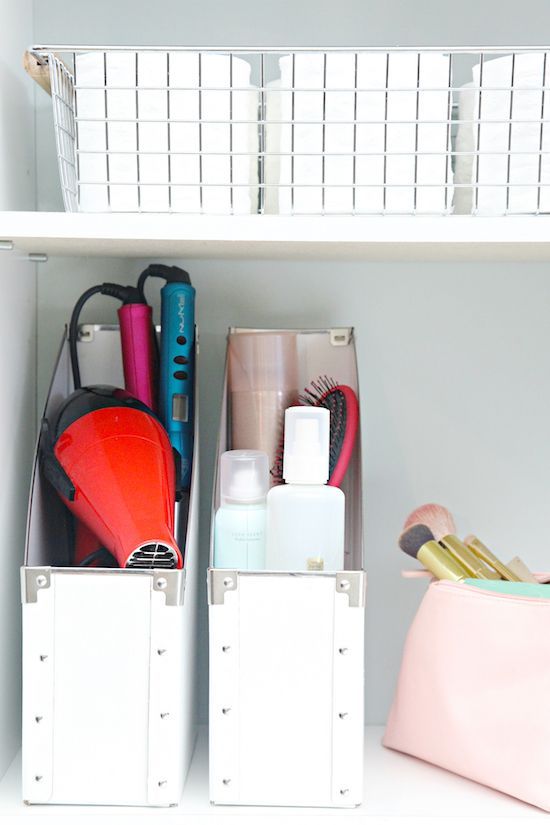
(302, 131)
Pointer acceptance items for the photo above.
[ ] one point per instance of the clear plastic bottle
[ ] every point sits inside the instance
(305, 517)
(239, 528)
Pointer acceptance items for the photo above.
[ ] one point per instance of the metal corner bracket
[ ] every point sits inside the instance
(34, 579)
(354, 584)
(219, 582)
(172, 584)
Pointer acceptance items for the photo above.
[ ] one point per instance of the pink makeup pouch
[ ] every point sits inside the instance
(473, 694)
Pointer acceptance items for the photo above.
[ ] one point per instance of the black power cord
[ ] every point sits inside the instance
(125, 294)
(100, 554)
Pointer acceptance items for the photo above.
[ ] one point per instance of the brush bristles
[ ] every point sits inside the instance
(324, 392)
(434, 516)
(413, 538)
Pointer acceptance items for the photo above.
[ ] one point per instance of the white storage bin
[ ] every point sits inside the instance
(286, 652)
(108, 655)
(311, 131)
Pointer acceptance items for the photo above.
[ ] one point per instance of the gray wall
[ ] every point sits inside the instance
(455, 390)
(18, 346)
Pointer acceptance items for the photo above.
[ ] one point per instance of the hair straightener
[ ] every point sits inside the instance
(177, 357)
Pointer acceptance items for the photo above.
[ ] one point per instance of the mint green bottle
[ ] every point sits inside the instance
(240, 522)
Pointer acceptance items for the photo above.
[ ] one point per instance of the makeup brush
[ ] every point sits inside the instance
(418, 541)
(440, 521)
(436, 517)
(483, 552)
(519, 568)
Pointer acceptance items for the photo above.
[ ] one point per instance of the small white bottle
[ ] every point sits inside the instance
(240, 523)
(305, 517)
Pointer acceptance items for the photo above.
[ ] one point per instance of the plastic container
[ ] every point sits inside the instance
(240, 523)
(306, 517)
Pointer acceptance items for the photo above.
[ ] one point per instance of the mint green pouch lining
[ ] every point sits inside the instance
(534, 591)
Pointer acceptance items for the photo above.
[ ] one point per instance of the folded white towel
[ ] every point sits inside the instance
(152, 162)
(384, 184)
(505, 89)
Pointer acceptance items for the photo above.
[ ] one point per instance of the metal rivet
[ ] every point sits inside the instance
(161, 651)
(162, 782)
(343, 715)
(38, 719)
(41, 581)
(344, 791)
(228, 582)
(226, 781)
(343, 651)
(164, 715)
(43, 657)
(344, 584)
(162, 584)
(225, 648)
(225, 711)
(38, 778)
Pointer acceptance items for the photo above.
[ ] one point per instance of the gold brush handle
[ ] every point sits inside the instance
(464, 556)
(482, 552)
(440, 563)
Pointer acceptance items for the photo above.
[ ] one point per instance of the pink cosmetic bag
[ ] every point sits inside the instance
(473, 694)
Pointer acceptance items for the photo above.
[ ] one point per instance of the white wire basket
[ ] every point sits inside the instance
(302, 131)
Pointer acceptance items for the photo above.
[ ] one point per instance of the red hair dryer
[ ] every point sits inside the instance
(137, 339)
(111, 461)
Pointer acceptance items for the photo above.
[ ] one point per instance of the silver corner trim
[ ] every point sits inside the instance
(219, 582)
(341, 336)
(172, 584)
(34, 579)
(354, 584)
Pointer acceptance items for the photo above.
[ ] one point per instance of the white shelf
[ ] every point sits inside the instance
(375, 238)
(398, 789)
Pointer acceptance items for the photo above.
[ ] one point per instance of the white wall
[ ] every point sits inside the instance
(453, 358)
(18, 348)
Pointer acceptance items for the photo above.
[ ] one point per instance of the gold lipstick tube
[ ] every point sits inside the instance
(464, 556)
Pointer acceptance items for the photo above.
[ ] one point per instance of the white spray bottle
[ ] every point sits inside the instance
(305, 517)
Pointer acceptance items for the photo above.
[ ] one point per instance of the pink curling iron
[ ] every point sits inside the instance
(136, 336)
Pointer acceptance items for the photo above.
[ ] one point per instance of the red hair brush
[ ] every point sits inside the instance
(341, 401)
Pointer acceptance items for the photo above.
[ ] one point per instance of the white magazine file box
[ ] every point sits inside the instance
(287, 651)
(109, 656)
